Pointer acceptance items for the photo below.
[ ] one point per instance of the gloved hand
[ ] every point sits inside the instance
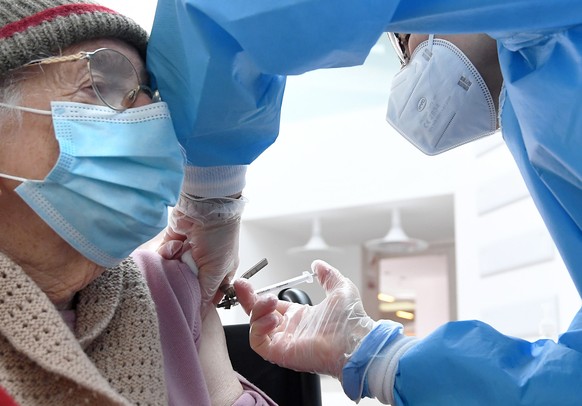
(207, 229)
(317, 338)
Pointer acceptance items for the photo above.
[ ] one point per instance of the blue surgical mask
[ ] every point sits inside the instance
(116, 175)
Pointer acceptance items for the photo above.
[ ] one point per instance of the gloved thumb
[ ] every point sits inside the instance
(329, 277)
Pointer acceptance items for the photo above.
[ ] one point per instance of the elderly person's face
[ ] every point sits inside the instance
(36, 149)
(29, 149)
(33, 152)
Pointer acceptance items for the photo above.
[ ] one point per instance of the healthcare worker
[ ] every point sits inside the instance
(226, 105)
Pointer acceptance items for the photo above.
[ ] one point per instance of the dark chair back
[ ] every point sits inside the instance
(284, 386)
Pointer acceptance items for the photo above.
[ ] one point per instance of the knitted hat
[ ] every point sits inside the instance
(30, 29)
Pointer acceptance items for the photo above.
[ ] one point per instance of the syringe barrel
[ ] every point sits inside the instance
(305, 277)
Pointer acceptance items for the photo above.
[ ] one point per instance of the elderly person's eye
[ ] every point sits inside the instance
(86, 93)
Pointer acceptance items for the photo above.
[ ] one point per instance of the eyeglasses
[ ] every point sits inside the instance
(399, 43)
(113, 77)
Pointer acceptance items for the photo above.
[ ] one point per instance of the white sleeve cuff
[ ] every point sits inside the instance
(214, 181)
(382, 371)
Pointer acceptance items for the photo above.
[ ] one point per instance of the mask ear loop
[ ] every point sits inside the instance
(427, 53)
(6, 176)
(27, 109)
(17, 178)
(30, 110)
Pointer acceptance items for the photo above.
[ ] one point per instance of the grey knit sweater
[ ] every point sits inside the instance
(113, 357)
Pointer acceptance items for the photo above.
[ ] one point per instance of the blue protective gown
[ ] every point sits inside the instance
(207, 52)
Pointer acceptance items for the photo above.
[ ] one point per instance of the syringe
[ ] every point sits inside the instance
(306, 276)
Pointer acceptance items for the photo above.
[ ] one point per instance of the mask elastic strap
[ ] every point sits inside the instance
(430, 41)
(27, 109)
(427, 53)
(30, 110)
(18, 178)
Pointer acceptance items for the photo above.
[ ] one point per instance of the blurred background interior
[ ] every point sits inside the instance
(426, 239)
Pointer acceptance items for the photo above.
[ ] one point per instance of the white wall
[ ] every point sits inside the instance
(509, 272)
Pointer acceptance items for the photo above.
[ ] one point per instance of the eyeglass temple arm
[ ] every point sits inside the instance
(57, 59)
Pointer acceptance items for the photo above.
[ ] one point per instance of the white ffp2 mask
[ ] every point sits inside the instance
(439, 100)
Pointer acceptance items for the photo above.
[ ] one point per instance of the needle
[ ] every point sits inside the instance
(306, 276)
(228, 290)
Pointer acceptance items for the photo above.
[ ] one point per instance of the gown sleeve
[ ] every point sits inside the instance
(470, 363)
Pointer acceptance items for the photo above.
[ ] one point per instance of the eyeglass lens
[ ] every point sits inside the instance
(115, 79)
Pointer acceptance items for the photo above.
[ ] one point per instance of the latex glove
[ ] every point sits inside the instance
(306, 338)
(208, 229)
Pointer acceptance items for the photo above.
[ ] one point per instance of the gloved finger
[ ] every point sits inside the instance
(171, 235)
(228, 278)
(265, 319)
(254, 305)
(264, 322)
(171, 249)
(210, 283)
(218, 296)
(261, 328)
(245, 294)
(265, 306)
(329, 277)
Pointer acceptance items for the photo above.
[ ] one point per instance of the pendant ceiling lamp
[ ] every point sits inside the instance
(316, 245)
(396, 241)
